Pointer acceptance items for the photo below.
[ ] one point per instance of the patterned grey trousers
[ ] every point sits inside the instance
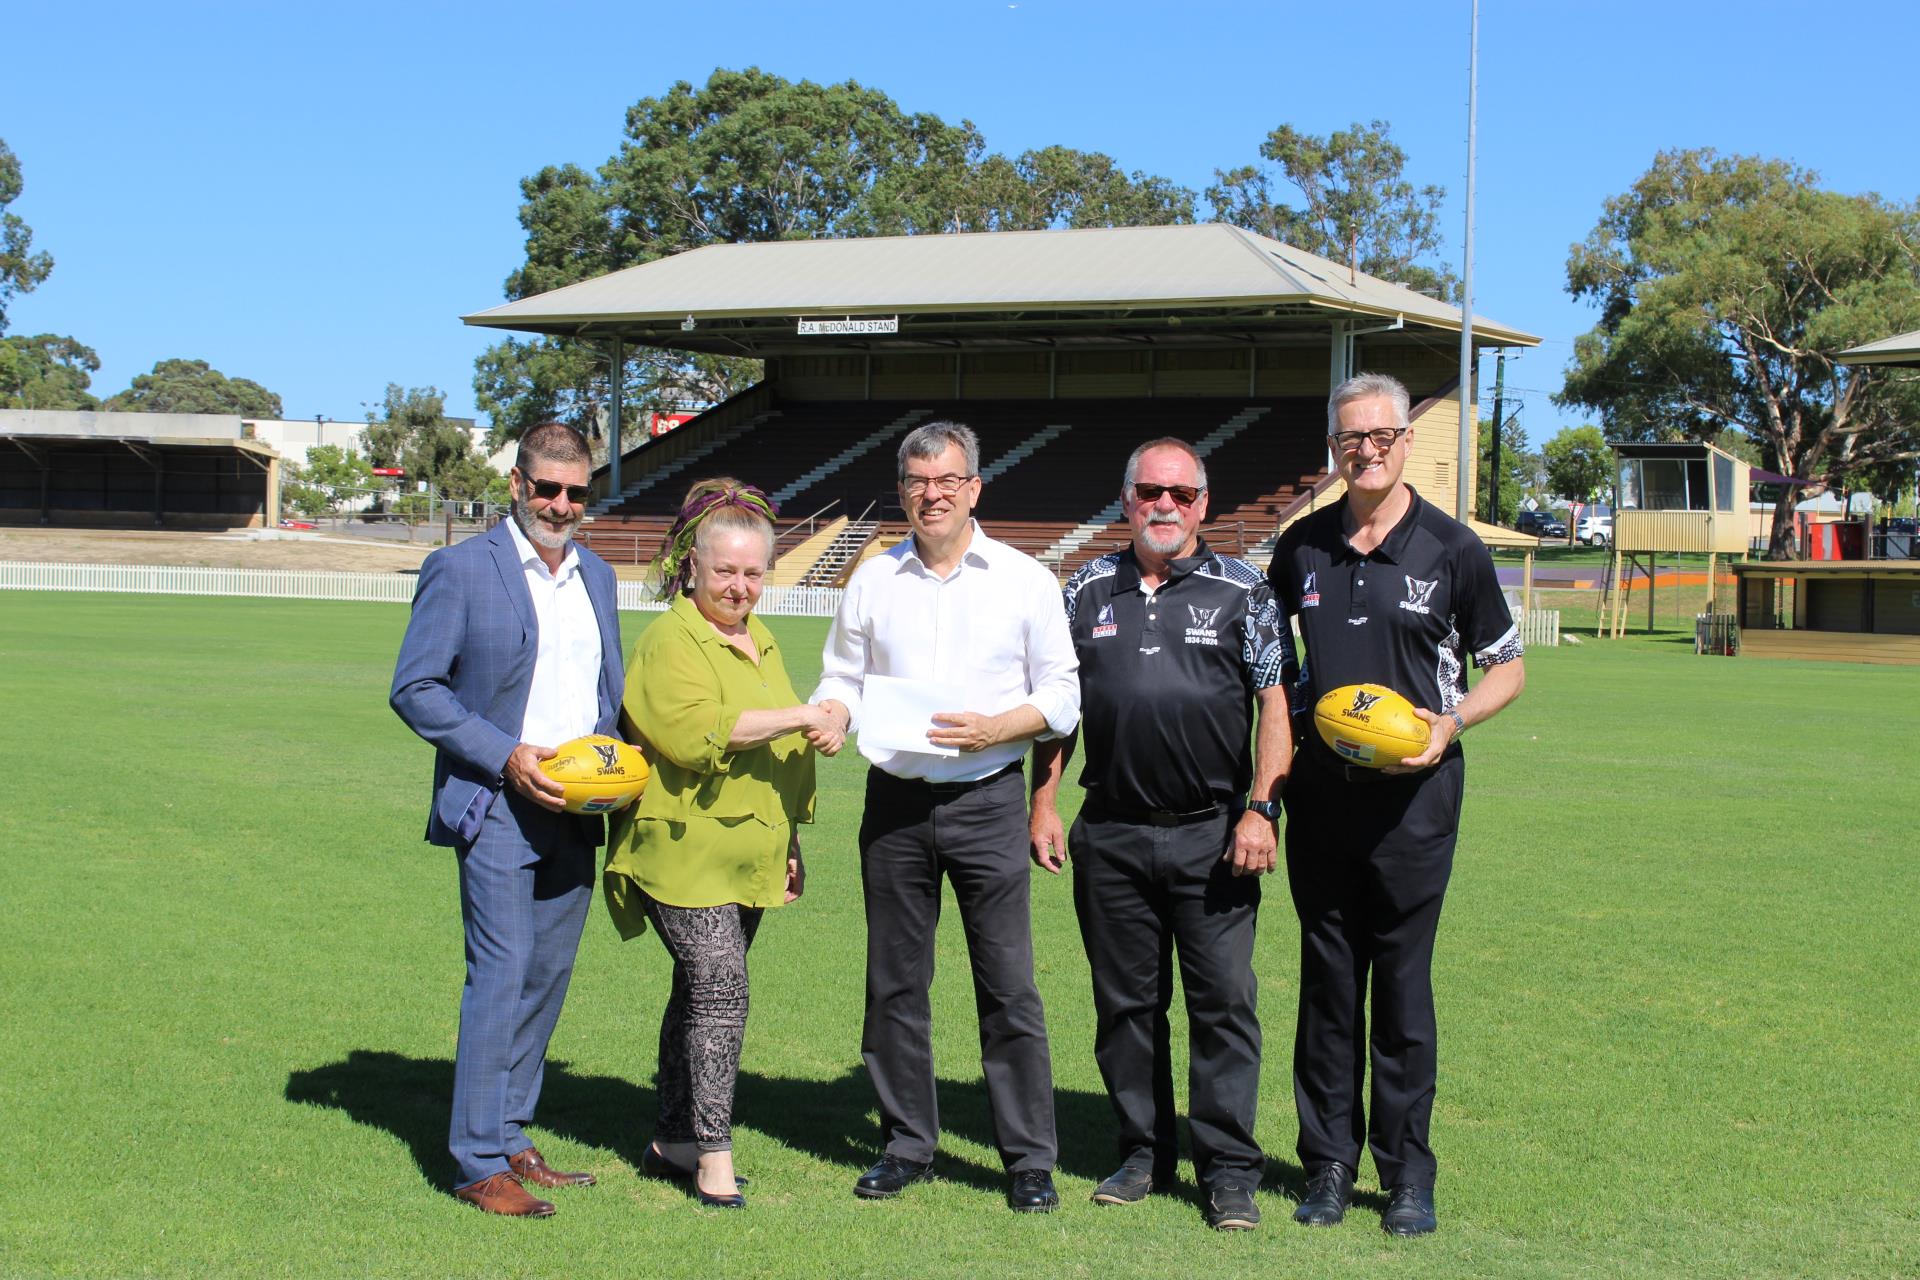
(705, 1020)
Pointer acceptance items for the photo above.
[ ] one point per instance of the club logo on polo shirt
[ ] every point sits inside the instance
(1310, 592)
(1103, 623)
(1202, 631)
(1418, 594)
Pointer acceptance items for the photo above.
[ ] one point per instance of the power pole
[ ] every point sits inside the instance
(1493, 481)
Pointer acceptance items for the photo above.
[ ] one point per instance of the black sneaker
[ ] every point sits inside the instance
(1230, 1207)
(1129, 1184)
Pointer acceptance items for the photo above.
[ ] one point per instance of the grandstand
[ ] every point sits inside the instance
(1063, 349)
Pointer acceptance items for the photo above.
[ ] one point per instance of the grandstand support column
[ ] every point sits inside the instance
(1053, 371)
(1338, 372)
(616, 392)
(866, 376)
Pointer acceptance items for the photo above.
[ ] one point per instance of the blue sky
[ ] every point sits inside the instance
(310, 196)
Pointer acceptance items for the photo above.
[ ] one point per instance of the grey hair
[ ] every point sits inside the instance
(930, 440)
(1366, 386)
(1164, 442)
(554, 441)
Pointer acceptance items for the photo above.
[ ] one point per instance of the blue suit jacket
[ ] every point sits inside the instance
(466, 666)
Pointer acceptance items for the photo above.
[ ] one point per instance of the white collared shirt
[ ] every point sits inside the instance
(996, 626)
(563, 701)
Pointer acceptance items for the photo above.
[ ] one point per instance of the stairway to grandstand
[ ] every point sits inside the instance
(1052, 467)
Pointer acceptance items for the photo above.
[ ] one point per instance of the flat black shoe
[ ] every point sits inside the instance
(1329, 1192)
(1230, 1207)
(1129, 1184)
(734, 1201)
(1409, 1212)
(655, 1165)
(890, 1177)
(1031, 1191)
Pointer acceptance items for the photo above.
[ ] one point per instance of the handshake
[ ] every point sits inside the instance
(825, 724)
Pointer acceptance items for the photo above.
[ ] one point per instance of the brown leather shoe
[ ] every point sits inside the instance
(531, 1168)
(502, 1193)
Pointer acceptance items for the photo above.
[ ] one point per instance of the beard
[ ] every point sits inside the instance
(541, 533)
(1165, 536)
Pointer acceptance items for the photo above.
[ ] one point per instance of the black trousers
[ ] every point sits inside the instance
(909, 838)
(1368, 859)
(1141, 891)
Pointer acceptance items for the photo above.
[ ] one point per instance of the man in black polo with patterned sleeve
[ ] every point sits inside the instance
(1387, 590)
(1176, 644)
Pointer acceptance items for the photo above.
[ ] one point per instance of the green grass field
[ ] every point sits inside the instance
(1676, 978)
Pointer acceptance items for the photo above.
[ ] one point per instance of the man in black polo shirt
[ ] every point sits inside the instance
(1388, 591)
(1175, 644)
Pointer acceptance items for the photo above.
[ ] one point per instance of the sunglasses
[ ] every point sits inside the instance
(548, 490)
(1183, 494)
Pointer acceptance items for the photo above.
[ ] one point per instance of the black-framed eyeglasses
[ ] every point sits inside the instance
(946, 486)
(548, 490)
(1383, 439)
(1183, 494)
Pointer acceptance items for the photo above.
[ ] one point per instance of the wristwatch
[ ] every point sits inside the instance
(1459, 725)
(1268, 809)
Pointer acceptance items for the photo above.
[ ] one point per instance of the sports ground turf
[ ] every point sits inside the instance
(1677, 982)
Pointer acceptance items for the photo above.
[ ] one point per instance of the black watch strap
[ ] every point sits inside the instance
(1268, 809)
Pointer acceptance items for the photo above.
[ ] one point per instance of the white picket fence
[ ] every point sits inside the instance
(1539, 629)
(304, 584)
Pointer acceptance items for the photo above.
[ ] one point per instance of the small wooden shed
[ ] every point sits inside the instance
(1842, 610)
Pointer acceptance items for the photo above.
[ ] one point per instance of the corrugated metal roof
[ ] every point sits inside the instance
(1208, 265)
(1901, 349)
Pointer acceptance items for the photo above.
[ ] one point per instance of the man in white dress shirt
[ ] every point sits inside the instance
(952, 606)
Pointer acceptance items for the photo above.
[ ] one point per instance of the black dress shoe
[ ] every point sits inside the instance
(1129, 1184)
(1230, 1207)
(1329, 1192)
(1031, 1191)
(890, 1177)
(1409, 1212)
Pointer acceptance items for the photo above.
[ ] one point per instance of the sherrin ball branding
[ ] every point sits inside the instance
(601, 774)
(1369, 725)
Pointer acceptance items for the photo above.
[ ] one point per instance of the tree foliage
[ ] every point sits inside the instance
(1517, 468)
(750, 156)
(1726, 286)
(1578, 463)
(330, 476)
(411, 430)
(47, 371)
(21, 269)
(1355, 203)
(194, 386)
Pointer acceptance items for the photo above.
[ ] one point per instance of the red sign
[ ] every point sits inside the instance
(389, 471)
(661, 423)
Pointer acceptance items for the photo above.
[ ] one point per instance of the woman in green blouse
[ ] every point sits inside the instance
(712, 842)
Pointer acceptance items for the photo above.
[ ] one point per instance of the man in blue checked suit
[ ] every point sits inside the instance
(513, 648)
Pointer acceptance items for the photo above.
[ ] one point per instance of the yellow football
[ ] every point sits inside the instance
(1369, 724)
(601, 774)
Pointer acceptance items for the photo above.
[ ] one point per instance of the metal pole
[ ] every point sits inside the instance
(616, 379)
(1493, 479)
(1469, 431)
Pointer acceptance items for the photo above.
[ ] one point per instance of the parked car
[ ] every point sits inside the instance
(1595, 531)
(1541, 524)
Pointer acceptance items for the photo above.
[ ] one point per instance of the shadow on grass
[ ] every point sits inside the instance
(828, 1119)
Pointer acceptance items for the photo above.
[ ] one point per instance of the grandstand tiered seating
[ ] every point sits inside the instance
(1068, 479)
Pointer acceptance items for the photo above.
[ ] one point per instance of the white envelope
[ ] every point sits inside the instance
(896, 714)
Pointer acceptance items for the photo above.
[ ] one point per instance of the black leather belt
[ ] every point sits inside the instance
(1100, 811)
(946, 789)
